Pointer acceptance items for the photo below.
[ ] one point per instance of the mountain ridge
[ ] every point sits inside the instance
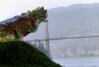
(71, 21)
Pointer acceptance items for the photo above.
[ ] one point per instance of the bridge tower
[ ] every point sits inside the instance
(47, 40)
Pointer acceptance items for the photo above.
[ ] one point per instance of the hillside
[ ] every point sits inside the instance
(15, 53)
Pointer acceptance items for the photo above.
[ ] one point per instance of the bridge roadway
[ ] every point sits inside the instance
(63, 38)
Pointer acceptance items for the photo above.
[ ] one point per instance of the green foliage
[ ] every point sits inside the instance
(3, 40)
(40, 13)
(17, 34)
(15, 53)
(31, 28)
(36, 16)
(1, 34)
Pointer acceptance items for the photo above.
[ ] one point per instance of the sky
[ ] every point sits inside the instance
(10, 8)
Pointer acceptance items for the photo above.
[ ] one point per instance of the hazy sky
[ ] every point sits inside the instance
(10, 8)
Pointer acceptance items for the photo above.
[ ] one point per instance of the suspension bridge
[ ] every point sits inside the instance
(47, 41)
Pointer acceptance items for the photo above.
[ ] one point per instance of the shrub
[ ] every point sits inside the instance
(15, 53)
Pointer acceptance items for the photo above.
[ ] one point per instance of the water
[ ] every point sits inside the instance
(78, 62)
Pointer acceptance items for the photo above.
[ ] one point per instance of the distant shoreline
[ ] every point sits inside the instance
(76, 57)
